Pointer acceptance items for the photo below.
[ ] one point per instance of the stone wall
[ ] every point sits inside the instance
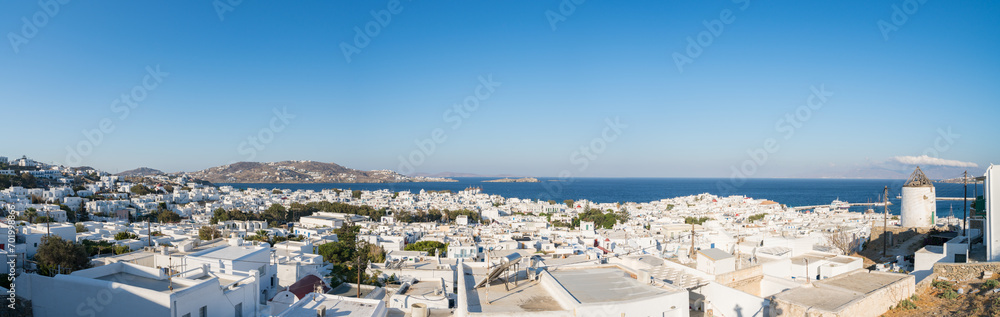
(964, 271)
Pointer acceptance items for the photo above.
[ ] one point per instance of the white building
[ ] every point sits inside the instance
(715, 261)
(992, 195)
(321, 221)
(125, 289)
(919, 203)
(237, 259)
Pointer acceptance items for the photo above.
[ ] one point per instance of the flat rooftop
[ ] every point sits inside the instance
(424, 289)
(227, 253)
(600, 285)
(830, 294)
(813, 257)
(527, 296)
(140, 281)
(350, 290)
(334, 307)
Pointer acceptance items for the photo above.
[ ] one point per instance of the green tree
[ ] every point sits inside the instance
(80, 228)
(337, 252)
(28, 181)
(139, 189)
(54, 252)
(219, 215)
(82, 214)
(356, 194)
(31, 213)
(95, 248)
(168, 216)
(276, 212)
(431, 247)
(695, 220)
(121, 249)
(70, 215)
(756, 217)
(208, 233)
(569, 203)
(125, 235)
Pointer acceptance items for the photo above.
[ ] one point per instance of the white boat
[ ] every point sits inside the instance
(840, 206)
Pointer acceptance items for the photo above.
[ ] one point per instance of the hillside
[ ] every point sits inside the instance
(142, 171)
(301, 172)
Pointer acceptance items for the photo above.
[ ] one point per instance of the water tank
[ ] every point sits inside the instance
(919, 202)
(418, 310)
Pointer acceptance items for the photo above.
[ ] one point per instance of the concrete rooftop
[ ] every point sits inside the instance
(830, 294)
(527, 296)
(600, 285)
(141, 282)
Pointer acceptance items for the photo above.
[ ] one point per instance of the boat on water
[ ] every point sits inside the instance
(840, 206)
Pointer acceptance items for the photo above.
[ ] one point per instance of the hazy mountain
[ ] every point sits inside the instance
(301, 172)
(457, 174)
(142, 171)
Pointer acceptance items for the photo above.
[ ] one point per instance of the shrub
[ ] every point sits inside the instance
(990, 284)
(942, 285)
(906, 304)
(948, 294)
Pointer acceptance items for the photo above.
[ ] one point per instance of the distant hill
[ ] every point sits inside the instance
(456, 174)
(142, 171)
(301, 172)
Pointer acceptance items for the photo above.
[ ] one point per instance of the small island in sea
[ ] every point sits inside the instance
(513, 180)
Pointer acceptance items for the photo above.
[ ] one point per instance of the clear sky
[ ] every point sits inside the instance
(560, 71)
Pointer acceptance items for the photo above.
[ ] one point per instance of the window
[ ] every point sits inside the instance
(187, 315)
(239, 310)
(203, 311)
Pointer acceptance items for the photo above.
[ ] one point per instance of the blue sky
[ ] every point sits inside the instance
(558, 86)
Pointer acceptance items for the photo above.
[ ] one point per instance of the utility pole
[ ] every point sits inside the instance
(358, 244)
(149, 234)
(47, 222)
(965, 204)
(692, 255)
(885, 221)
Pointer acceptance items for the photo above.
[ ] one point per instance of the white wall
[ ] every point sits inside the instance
(918, 206)
(992, 195)
(924, 260)
(726, 301)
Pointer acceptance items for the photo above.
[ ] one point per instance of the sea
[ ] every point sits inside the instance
(790, 192)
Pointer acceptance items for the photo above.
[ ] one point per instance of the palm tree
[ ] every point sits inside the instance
(31, 213)
(262, 235)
